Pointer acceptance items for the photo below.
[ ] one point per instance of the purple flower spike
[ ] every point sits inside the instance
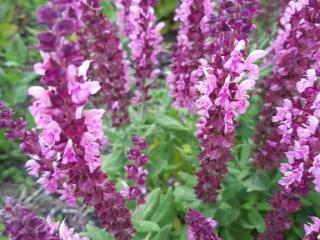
(136, 172)
(298, 130)
(194, 16)
(200, 227)
(99, 41)
(294, 51)
(21, 223)
(223, 93)
(145, 44)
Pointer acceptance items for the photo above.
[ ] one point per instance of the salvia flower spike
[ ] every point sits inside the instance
(194, 17)
(136, 172)
(294, 51)
(65, 146)
(99, 42)
(21, 223)
(223, 94)
(299, 130)
(200, 227)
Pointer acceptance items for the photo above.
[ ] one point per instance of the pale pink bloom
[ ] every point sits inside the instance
(93, 120)
(308, 129)
(40, 68)
(312, 228)
(49, 136)
(39, 108)
(224, 94)
(307, 82)
(92, 151)
(80, 91)
(315, 170)
(69, 155)
(67, 195)
(33, 167)
(316, 106)
(298, 152)
(253, 69)
(291, 176)
(283, 112)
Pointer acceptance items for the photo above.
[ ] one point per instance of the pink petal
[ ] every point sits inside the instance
(256, 55)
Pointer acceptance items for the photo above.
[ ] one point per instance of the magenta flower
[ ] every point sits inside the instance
(291, 58)
(312, 230)
(200, 227)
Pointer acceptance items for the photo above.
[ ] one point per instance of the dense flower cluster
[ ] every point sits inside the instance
(295, 50)
(223, 94)
(15, 129)
(200, 227)
(312, 230)
(99, 41)
(21, 223)
(65, 155)
(193, 16)
(144, 42)
(298, 127)
(123, 21)
(136, 172)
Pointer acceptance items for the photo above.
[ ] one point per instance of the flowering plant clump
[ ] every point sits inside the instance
(22, 223)
(294, 51)
(202, 109)
(194, 18)
(222, 94)
(137, 21)
(99, 41)
(298, 126)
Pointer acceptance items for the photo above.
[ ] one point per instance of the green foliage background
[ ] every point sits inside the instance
(173, 148)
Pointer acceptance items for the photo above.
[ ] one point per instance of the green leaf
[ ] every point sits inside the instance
(108, 9)
(165, 7)
(225, 215)
(169, 122)
(152, 201)
(256, 219)
(134, 115)
(113, 162)
(163, 233)
(146, 226)
(258, 182)
(16, 50)
(95, 233)
(166, 210)
(7, 30)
